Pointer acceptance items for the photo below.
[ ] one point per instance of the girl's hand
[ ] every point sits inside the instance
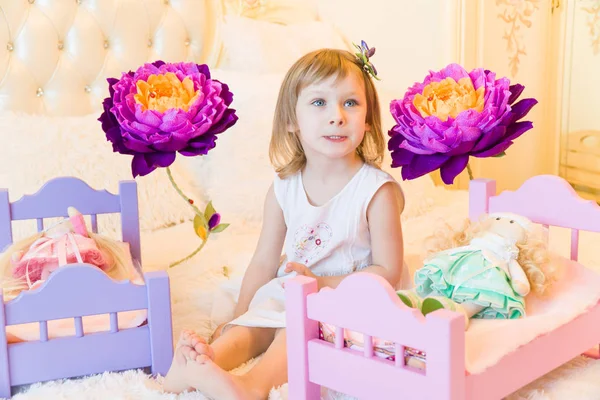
(303, 270)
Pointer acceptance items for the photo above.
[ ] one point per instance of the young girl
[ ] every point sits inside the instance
(337, 212)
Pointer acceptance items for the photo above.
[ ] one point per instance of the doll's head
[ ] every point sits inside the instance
(533, 252)
(514, 228)
(32, 259)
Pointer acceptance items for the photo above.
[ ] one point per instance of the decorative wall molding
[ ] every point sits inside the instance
(240, 7)
(516, 14)
(593, 23)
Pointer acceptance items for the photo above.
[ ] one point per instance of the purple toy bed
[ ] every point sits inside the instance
(79, 290)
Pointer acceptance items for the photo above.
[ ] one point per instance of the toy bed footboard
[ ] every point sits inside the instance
(366, 303)
(72, 292)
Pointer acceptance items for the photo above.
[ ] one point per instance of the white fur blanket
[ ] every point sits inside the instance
(195, 287)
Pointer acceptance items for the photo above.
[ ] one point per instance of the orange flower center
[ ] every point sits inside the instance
(449, 98)
(165, 92)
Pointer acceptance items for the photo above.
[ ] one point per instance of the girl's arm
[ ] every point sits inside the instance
(383, 216)
(265, 261)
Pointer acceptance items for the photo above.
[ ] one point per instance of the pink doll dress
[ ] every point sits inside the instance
(66, 244)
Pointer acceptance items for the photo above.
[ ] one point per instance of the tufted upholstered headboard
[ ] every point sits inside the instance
(55, 55)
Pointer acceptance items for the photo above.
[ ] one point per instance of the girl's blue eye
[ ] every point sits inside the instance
(350, 103)
(319, 103)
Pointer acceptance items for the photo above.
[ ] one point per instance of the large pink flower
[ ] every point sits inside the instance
(163, 109)
(452, 115)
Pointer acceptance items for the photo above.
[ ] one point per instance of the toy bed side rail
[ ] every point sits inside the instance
(75, 291)
(366, 303)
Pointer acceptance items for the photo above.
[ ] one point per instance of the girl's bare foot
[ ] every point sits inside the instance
(214, 382)
(199, 346)
(189, 346)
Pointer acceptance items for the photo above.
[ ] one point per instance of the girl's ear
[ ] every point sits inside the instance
(291, 127)
(367, 127)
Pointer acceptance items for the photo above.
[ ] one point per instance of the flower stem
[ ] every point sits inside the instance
(470, 172)
(191, 255)
(196, 210)
(187, 199)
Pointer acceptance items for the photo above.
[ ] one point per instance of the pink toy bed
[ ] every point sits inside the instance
(337, 338)
(84, 322)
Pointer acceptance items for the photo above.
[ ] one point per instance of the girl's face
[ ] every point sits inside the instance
(332, 117)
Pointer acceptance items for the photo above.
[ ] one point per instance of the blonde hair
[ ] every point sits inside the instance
(533, 251)
(111, 249)
(285, 150)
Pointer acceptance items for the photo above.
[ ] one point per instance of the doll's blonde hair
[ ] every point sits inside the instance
(533, 251)
(111, 249)
(285, 150)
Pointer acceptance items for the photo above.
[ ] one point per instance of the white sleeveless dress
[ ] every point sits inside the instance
(332, 239)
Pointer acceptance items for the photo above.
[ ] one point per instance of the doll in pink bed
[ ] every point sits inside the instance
(484, 270)
(28, 263)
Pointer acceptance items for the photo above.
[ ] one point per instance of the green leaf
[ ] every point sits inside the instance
(210, 210)
(500, 155)
(200, 226)
(219, 228)
(200, 220)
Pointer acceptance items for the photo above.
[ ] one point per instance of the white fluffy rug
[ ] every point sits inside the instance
(192, 296)
(198, 302)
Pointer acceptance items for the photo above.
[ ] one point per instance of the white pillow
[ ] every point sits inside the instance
(237, 173)
(251, 45)
(38, 148)
(419, 193)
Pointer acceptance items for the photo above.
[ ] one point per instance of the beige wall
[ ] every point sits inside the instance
(413, 37)
(515, 39)
(579, 127)
(582, 89)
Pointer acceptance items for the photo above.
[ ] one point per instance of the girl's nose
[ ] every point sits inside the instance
(337, 119)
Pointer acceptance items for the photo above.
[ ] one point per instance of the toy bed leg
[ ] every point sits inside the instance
(159, 321)
(4, 372)
(300, 330)
(130, 220)
(5, 230)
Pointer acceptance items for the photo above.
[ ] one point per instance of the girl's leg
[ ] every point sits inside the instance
(237, 345)
(271, 371)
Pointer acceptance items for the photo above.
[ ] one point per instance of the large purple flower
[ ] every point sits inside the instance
(452, 115)
(162, 109)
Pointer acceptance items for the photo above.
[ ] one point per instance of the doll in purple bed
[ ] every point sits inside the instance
(27, 264)
(484, 270)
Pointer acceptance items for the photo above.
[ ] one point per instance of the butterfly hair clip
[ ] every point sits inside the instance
(363, 57)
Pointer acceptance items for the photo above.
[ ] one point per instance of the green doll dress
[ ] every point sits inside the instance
(476, 273)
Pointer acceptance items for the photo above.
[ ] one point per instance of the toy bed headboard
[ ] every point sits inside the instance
(55, 56)
(548, 200)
